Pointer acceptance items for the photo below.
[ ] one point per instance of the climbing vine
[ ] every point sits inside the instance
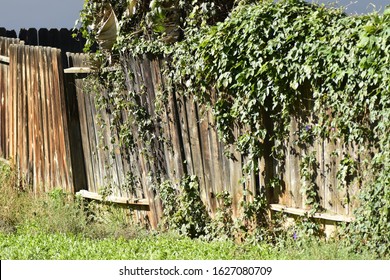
(278, 57)
(257, 65)
(308, 175)
(183, 208)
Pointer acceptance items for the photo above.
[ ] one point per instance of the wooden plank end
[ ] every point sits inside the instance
(78, 70)
(118, 200)
(302, 212)
(4, 59)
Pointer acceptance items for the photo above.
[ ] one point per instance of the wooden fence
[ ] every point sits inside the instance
(7, 33)
(192, 147)
(36, 128)
(51, 127)
(107, 166)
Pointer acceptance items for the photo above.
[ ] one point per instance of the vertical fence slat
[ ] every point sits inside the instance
(23, 144)
(66, 166)
(38, 128)
(206, 161)
(236, 165)
(12, 103)
(3, 100)
(30, 124)
(46, 114)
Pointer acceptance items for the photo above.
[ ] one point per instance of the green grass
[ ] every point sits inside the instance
(160, 247)
(57, 226)
(27, 244)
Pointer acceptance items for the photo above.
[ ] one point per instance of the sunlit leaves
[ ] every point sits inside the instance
(270, 57)
(266, 60)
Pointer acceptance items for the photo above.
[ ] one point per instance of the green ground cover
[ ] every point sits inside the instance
(28, 245)
(58, 226)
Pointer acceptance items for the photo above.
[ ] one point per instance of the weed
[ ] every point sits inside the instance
(57, 212)
(14, 202)
(183, 208)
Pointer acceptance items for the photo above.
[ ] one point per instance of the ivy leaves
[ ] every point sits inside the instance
(274, 57)
(184, 210)
(265, 62)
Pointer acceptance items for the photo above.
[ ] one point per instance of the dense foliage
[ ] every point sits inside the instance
(266, 62)
(278, 58)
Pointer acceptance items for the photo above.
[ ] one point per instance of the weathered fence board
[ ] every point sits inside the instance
(4, 76)
(37, 123)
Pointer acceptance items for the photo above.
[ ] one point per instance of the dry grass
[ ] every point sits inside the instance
(58, 212)
(14, 201)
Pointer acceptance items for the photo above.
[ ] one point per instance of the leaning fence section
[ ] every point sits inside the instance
(39, 134)
(34, 122)
(108, 168)
(191, 146)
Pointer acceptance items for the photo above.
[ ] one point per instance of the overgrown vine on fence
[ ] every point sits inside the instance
(184, 210)
(272, 60)
(308, 175)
